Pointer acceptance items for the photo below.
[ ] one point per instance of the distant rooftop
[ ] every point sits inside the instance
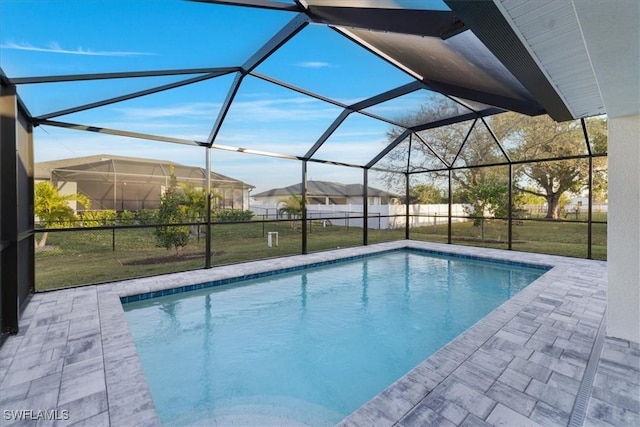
(325, 188)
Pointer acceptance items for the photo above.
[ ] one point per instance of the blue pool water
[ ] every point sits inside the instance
(310, 347)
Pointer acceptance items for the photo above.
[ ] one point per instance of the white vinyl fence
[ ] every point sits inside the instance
(380, 216)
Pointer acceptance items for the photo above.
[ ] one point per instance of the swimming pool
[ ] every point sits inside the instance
(312, 346)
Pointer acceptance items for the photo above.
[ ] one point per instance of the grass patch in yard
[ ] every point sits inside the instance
(88, 256)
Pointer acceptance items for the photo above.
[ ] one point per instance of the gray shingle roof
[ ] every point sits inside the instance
(325, 188)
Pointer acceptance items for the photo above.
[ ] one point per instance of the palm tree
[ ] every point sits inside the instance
(52, 208)
(293, 209)
(195, 202)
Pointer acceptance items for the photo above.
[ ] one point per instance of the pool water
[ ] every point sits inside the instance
(310, 347)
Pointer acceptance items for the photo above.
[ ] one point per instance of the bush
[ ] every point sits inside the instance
(99, 218)
(233, 215)
(147, 216)
(127, 218)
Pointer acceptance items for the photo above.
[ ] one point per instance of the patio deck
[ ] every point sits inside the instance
(541, 358)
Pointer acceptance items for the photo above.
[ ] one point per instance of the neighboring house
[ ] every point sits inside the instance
(327, 193)
(130, 183)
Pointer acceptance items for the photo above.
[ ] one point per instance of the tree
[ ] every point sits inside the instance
(426, 194)
(443, 147)
(195, 202)
(523, 138)
(172, 211)
(491, 197)
(542, 138)
(52, 208)
(293, 209)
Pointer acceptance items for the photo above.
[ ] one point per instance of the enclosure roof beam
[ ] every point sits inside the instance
(519, 106)
(287, 32)
(388, 148)
(426, 144)
(464, 141)
(224, 109)
(257, 4)
(586, 135)
(129, 96)
(281, 156)
(497, 141)
(120, 75)
(514, 162)
(457, 119)
(321, 98)
(424, 23)
(292, 28)
(327, 133)
(387, 96)
(108, 131)
(297, 89)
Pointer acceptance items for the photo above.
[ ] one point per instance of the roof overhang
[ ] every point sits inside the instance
(561, 51)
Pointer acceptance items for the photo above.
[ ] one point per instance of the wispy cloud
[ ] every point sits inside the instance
(54, 47)
(187, 110)
(276, 110)
(313, 64)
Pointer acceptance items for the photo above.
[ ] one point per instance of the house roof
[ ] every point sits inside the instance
(325, 188)
(128, 166)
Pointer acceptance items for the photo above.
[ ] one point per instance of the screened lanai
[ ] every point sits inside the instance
(390, 94)
(508, 129)
(128, 183)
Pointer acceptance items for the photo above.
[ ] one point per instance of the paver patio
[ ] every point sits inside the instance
(539, 359)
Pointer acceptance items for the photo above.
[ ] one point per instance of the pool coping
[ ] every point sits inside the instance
(570, 296)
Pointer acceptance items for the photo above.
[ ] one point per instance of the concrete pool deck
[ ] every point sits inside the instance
(538, 359)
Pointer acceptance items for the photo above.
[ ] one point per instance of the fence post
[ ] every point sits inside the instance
(113, 237)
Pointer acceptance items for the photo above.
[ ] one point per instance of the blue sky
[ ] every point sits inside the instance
(52, 37)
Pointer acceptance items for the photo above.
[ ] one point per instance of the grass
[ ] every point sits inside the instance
(549, 237)
(88, 256)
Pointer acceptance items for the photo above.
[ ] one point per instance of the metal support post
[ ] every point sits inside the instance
(207, 262)
(304, 207)
(406, 207)
(449, 216)
(590, 212)
(510, 213)
(365, 207)
(9, 310)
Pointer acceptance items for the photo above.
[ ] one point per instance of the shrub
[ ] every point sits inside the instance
(233, 215)
(147, 216)
(127, 218)
(99, 218)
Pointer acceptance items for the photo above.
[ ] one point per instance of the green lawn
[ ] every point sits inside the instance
(88, 256)
(550, 237)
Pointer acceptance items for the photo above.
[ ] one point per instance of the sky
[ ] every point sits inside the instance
(59, 37)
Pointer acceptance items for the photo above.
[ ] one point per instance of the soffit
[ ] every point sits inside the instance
(552, 34)
(579, 58)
